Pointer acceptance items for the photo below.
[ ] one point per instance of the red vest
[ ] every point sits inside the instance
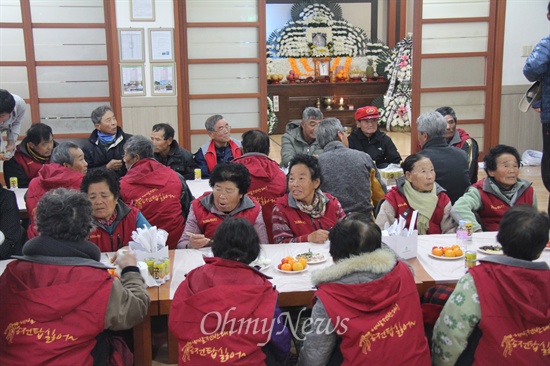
(301, 223)
(513, 335)
(392, 334)
(51, 314)
(211, 158)
(493, 208)
(52, 176)
(28, 164)
(400, 204)
(208, 222)
(215, 299)
(121, 235)
(159, 203)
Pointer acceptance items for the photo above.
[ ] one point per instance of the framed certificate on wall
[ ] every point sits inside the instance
(132, 79)
(163, 79)
(131, 44)
(161, 45)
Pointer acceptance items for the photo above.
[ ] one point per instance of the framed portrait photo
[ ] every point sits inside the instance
(163, 79)
(322, 67)
(131, 45)
(132, 79)
(161, 45)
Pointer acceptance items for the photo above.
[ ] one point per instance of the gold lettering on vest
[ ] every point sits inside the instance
(151, 197)
(216, 353)
(49, 335)
(495, 208)
(509, 342)
(210, 220)
(402, 204)
(299, 222)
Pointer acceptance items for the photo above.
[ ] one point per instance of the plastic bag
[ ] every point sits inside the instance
(531, 157)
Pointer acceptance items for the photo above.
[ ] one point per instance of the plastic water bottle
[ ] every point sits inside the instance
(462, 234)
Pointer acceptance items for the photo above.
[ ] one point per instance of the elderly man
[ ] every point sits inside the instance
(267, 180)
(12, 110)
(349, 175)
(66, 170)
(157, 191)
(169, 153)
(30, 155)
(221, 148)
(450, 164)
(368, 138)
(58, 298)
(498, 313)
(105, 146)
(299, 137)
(460, 139)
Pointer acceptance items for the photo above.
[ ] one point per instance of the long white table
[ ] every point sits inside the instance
(451, 270)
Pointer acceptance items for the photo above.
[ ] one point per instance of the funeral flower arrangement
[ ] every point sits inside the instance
(396, 65)
(337, 36)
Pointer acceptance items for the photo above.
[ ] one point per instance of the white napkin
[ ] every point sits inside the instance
(148, 240)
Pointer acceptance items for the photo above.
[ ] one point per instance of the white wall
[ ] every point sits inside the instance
(526, 25)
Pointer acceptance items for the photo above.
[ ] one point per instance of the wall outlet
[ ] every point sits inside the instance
(275, 103)
(526, 50)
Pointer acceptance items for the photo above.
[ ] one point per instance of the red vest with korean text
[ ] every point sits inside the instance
(513, 334)
(208, 222)
(301, 223)
(51, 314)
(29, 165)
(400, 205)
(211, 158)
(121, 235)
(493, 208)
(221, 314)
(392, 334)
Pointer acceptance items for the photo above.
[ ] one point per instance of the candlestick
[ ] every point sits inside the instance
(341, 108)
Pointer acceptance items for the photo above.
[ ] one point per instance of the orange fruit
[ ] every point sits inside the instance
(303, 261)
(437, 251)
(458, 252)
(286, 267)
(446, 248)
(297, 266)
(456, 246)
(289, 258)
(449, 253)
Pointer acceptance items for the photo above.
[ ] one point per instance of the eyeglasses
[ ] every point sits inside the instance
(223, 129)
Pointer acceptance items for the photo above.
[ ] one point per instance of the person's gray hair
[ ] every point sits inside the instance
(432, 123)
(312, 112)
(327, 131)
(98, 113)
(211, 122)
(64, 214)
(61, 154)
(139, 145)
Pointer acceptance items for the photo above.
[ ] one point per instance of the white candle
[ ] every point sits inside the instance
(341, 101)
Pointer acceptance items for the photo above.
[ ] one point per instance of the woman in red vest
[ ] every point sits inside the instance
(366, 307)
(114, 221)
(223, 312)
(228, 198)
(486, 201)
(305, 213)
(418, 190)
(499, 311)
(58, 297)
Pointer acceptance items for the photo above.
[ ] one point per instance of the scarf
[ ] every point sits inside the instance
(108, 222)
(36, 156)
(424, 203)
(508, 193)
(317, 207)
(106, 138)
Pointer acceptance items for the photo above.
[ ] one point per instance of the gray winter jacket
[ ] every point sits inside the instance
(292, 143)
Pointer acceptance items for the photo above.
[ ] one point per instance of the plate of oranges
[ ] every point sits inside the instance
(447, 253)
(292, 265)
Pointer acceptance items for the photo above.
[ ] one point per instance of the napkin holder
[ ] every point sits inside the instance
(406, 246)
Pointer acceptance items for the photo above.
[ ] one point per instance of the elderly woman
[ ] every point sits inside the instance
(226, 285)
(229, 183)
(305, 214)
(114, 220)
(486, 201)
(418, 190)
(58, 297)
(498, 313)
(360, 300)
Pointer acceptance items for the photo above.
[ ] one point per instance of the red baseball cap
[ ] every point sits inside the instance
(367, 112)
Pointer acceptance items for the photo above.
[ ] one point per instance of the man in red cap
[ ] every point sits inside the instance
(368, 138)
